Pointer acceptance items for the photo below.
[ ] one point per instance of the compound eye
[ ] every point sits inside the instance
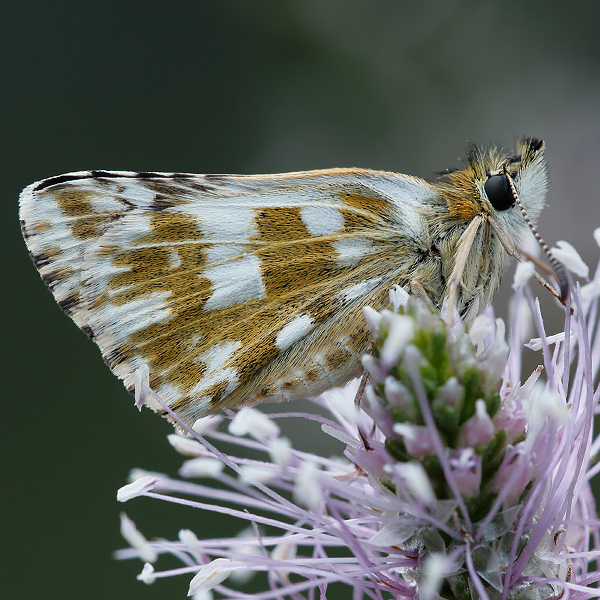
(499, 193)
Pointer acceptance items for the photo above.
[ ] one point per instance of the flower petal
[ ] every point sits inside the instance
(253, 422)
(147, 575)
(136, 488)
(210, 575)
(136, 539)
(523, 273)
(142, 385)
(569, 257)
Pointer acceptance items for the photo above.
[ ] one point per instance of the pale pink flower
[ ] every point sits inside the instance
(458, 481)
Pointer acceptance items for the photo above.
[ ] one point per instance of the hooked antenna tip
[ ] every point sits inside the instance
(563, 282)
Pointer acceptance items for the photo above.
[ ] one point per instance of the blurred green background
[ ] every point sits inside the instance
(243, 87)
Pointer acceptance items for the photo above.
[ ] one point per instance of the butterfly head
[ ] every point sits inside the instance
(502, 178)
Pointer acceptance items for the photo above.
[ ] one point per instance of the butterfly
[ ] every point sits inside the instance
(235, 289)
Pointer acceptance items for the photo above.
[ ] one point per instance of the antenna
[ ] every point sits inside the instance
(557, 268)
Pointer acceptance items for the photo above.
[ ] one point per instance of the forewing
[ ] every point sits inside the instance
(223, 284)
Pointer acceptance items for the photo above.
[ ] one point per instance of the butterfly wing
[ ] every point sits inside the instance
(231, 288)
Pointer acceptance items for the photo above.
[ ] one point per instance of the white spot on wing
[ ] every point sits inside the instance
(174, 259)
(294, 331)
(220, 253)
(235, 225)
(133, 315)
(216, 358)
(135, 191)
(411, 221)
(351, 250)
(322, 220)
(403, 189)
(235, 282)
(360, 289)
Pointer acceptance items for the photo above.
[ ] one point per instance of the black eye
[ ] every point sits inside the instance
(499, 193)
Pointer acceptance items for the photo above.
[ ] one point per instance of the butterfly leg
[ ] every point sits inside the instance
(361, 389)
(512, 251)
(460, 261)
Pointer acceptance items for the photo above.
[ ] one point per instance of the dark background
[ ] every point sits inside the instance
(244, 87)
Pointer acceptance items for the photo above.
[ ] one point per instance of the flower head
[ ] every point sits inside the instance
(459, 479)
